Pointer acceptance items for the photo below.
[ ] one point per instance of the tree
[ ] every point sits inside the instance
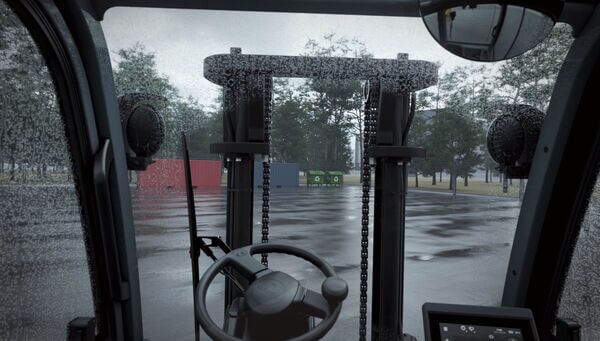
(455, 141)
(485, 104)
(136, 71)
(31, 125)
(334, 105)
(530, 77)
(452, 92)
(194, 122)
(289, 133)
(418, 137)
(215, 122)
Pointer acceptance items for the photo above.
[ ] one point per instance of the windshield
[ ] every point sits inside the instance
(458, 233)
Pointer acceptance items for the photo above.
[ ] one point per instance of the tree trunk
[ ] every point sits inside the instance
(510, 181)
(416, 180)
(440, 176)
(451, 182)
(466, 181)
(521, 188)
(517, 95)
(12, 170)
(487, 173)
(360, 152)
(433, 178)
(500, 177)
(23, 172)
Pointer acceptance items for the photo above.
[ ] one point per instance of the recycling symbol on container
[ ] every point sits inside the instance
(317, 178)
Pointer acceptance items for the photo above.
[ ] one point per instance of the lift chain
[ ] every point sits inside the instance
(268, 90)
(370, 127)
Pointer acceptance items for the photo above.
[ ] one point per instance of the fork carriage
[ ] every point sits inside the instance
(389, 109)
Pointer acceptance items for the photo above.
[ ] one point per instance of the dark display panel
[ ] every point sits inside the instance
(468, 332)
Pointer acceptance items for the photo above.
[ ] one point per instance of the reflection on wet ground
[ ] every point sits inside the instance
(457, 250)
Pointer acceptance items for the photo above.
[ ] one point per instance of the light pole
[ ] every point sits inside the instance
(453, 177)
(521, 188)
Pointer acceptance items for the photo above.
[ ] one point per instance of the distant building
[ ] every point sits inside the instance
(357, 152)
(427, 114)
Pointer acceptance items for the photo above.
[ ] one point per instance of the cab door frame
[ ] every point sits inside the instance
(75, 52)
(561, 178)
(565, 162)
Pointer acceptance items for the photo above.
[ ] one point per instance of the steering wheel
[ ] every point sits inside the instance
(274, 292)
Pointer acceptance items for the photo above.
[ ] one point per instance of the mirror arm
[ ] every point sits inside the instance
(576, 15)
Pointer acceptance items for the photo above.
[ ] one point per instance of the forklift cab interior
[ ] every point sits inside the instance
(111, 123)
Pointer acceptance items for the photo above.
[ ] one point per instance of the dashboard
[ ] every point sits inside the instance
(452, 322)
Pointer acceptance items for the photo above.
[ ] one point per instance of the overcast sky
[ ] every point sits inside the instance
(182, 39)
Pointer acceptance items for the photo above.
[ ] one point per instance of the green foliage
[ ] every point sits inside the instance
(467, 99)
(32, 133)
(454, 141)
(313, 121)
(334, 106)
(136, 71)
(290, 123)
(453, 133)
(420, 136)
(529, 78)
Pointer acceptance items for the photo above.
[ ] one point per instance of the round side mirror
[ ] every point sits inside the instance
(512, 139)
(143, 127)
(489, 31)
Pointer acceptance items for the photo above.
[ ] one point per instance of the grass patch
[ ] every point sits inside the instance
(474, 187)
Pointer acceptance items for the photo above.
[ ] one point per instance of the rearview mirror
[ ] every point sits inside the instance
(489, 31)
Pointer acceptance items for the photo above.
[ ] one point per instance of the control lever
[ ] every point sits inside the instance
(214, 243)
(197, 244)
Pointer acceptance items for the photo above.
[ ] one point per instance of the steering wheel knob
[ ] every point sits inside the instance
(334, 289)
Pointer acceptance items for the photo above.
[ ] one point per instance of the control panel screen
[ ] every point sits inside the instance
(468, 332)
(454, 322)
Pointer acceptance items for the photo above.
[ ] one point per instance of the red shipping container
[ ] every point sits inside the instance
(170, 174)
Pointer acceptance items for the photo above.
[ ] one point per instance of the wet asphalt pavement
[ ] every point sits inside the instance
(457, 251)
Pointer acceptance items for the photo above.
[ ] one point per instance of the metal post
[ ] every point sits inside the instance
(454, 176)
(389, 218)
(243, 122)
(240, 195)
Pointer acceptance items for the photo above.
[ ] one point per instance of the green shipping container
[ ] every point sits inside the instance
(315, 177)
(335, 178)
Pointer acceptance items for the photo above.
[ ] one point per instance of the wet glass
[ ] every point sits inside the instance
(486, 32)
(457, 246)
(580, 299)
(44, 277)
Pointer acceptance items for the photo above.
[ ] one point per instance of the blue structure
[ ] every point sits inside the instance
(282, 174)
